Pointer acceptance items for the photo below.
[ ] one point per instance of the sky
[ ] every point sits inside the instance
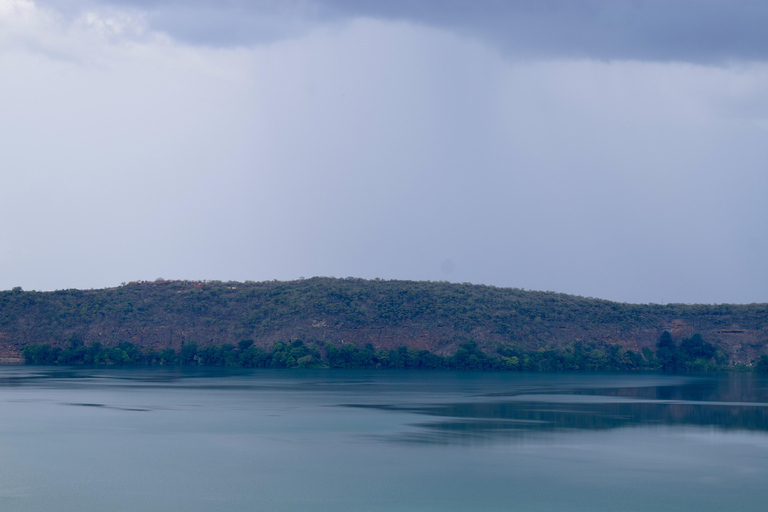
(605, 148)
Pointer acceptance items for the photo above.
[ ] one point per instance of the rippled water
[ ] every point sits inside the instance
(155, 439)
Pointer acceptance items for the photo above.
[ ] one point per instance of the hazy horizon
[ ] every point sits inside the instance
(591, 147)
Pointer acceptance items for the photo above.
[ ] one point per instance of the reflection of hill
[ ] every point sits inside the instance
(704, 404)
(726, 388)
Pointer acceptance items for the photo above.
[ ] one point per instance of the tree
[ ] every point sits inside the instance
(762, 364)
(666, 353)
(695, 354)
(188, 354)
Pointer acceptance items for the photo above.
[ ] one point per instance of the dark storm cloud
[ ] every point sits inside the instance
(701, 31)
(686, 30)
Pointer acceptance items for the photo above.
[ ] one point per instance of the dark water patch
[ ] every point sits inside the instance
(497, 421)
(105, 406)
(728, 403)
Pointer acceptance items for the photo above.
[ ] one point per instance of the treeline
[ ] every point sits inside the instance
(244, 355)
(693, 354)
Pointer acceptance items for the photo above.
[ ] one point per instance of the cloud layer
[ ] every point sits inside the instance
(375, 141)
(701, 31)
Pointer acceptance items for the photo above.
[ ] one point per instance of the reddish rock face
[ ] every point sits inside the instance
(386, 314)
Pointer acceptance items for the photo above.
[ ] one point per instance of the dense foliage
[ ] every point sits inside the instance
(693, 354)
(266, 306)
(762, 364)
(539, 329)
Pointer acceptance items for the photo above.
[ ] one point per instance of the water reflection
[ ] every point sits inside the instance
(73, 440)
(734, 402)
(429, 407)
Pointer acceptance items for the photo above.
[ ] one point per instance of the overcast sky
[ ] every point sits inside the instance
(605, 148)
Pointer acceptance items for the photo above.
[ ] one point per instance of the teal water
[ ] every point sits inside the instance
(165, 440)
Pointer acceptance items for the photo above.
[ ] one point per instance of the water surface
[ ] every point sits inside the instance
(158, 440)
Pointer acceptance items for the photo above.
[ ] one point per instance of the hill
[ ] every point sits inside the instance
(433, 316)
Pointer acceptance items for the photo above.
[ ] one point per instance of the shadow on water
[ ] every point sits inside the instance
(728, 403)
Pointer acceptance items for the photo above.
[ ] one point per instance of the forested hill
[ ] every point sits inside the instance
(434, 316)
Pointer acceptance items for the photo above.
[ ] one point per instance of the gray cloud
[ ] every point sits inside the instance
(370, 148)
(703, 31)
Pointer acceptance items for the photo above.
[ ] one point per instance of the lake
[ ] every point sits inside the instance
(74, 439)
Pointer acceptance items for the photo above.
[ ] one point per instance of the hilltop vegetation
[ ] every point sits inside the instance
(435, 317)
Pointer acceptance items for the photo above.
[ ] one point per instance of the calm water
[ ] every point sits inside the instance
(167, 440)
